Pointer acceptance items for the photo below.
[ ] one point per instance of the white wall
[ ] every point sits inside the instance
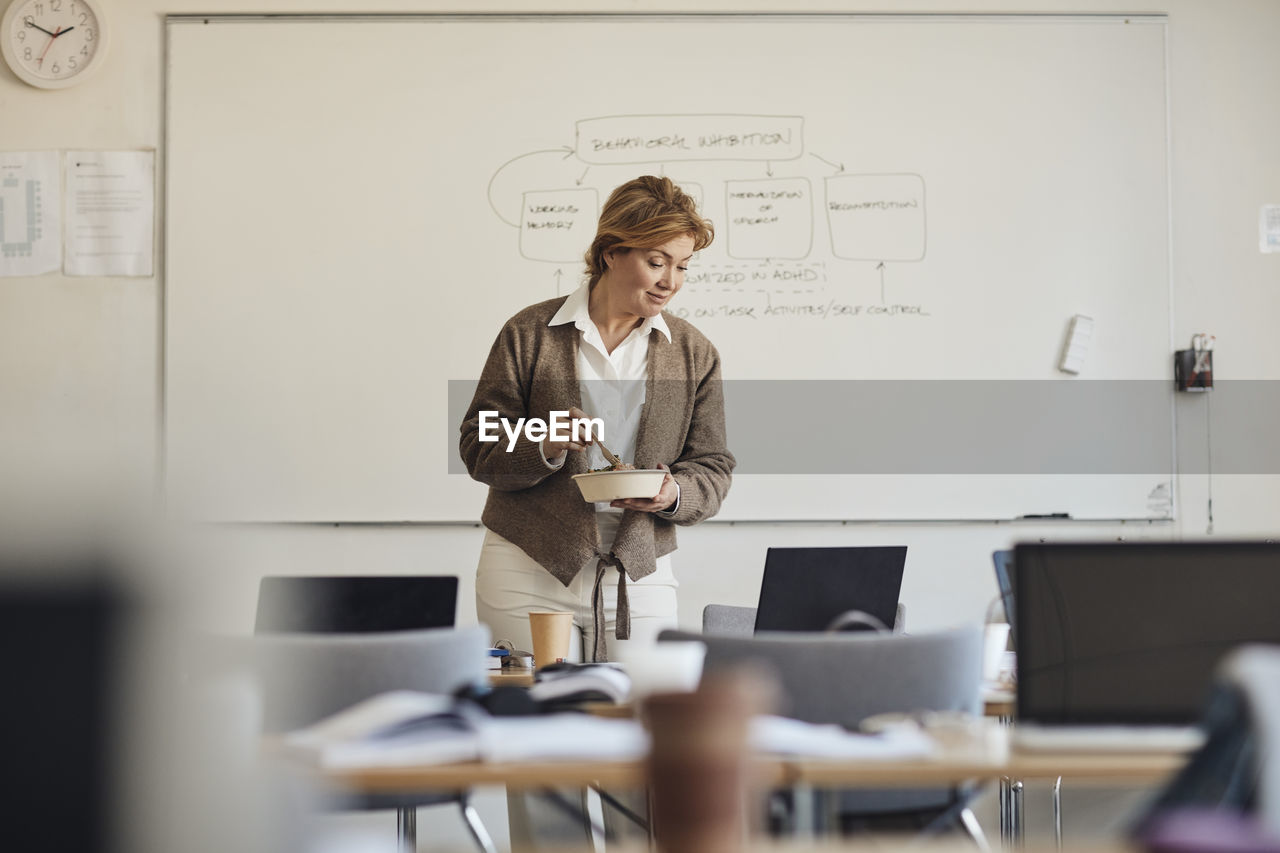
(80, 405)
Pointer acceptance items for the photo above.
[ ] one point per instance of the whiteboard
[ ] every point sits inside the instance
(354, 205)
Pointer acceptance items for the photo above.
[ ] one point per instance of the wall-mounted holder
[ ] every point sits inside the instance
(1076, 344)
(1193, 368)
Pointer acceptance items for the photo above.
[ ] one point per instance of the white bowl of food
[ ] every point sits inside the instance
(612, 485)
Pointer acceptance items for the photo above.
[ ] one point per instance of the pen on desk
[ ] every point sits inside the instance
(1034, 515)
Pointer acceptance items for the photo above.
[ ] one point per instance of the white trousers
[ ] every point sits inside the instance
(509, 584)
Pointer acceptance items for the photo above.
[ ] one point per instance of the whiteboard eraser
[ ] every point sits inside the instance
(1076, 344)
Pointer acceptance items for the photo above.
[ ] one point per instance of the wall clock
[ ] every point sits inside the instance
(53, 43)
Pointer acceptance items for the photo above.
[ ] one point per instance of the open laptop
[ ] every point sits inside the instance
(1003, 561)
(355, 604)
(807, 589)
(1117, 643)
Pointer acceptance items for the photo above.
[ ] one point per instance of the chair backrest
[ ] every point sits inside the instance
(845, 678)
(1257, 670)
(306, 677)
(1253, 671)
(1234, 777)
(728, 620)
(737, 621)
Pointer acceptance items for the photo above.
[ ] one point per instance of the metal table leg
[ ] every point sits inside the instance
(407, 829)
(1017, 812)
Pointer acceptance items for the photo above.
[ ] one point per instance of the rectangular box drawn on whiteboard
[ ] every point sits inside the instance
(876, 217)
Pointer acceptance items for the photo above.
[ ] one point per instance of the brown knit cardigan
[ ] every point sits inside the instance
(531, 371)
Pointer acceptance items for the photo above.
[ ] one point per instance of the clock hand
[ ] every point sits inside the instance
(40, 28)
(62, 32)
(52, 36)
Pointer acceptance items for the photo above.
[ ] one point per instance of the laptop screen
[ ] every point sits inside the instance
(1003, 561)
(1132, 633)
(805, 589)
(339, 604)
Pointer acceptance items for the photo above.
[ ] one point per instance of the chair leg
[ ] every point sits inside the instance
(475, 826)
(1057, 813)
(973, 829)
(407, 829)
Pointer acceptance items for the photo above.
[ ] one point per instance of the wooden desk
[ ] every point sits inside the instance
(510, 678)
(998, 702)
(986, 754)
(981, 755)
(524, 776)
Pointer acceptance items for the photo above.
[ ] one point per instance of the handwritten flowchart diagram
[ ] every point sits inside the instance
(786, 222)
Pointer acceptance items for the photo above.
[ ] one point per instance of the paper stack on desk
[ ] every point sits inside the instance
(400, 728)
(406, 728)
(785, 736)
(566, 684)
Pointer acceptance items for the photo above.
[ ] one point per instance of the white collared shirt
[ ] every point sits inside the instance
(612, 384)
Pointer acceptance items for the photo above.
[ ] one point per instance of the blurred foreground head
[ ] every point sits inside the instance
(113, 735)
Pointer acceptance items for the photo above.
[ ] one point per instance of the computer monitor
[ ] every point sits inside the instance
(806, 589)
(1132, 633)
(355, 604)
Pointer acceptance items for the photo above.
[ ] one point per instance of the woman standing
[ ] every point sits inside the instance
(606, 351)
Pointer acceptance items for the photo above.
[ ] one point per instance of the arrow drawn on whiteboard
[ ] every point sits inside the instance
(564, 150)
(837, 167)
(880, 266)
(768, 168)
(583, 177)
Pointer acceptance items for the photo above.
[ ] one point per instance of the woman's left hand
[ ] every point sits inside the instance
(665, 498)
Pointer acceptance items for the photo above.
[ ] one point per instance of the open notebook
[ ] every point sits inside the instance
(1117, 642)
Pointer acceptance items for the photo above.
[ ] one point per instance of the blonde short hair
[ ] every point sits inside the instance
(643, 213)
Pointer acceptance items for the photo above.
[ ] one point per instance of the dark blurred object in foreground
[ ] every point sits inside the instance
(60, 657)
(1226, 799)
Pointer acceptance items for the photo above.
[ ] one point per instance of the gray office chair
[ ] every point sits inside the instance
(1232, 780)
(306, 677)
(845, 678)
(1256, 670)
(737, 621)
(728, 620)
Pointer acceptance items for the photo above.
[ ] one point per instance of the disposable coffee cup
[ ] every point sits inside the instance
(552, 631)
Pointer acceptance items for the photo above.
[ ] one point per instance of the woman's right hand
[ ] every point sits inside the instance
(551, 450)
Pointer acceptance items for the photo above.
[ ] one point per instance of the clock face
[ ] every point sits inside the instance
(52, 43)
